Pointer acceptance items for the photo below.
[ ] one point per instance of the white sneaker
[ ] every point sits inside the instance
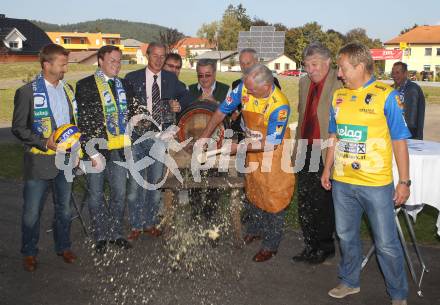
(341, 291)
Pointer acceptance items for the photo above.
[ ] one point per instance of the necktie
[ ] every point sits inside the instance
(155, 98)
(311, 125)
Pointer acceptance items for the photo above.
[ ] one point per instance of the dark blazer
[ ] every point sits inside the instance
(35, 166)
(220, 91)
(330, 86)
(414, 106)
(90, 113)
(170, 87)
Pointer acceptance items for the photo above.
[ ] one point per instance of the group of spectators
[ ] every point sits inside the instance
(346, 118)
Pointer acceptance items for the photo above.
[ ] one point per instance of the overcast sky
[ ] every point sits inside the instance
(382, 19)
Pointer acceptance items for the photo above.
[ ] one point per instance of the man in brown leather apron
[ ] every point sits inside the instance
(269, 186)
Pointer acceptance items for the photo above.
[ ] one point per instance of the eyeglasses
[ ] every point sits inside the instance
(204, 75)
(173, 66)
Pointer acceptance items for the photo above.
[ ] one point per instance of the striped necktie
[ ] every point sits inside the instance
(155, 98)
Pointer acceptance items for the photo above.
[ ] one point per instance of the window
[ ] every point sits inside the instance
(97, 42)
(82, 41)
(407, 52)
(66, 41)
(13, 44)
(428, 51)
(438, 51)
(112, 41)
(286, 67)
(427, 68)
(57, 40)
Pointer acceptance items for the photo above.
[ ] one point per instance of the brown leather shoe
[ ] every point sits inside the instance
(153, 231)
(263, 255)
(68, 256)
(30, 263)
(134, 235)
(248, 238)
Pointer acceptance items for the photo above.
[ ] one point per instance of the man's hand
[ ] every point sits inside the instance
(325, 180)
(175, 106)
(401, 194)
(50, 143)
(97, 162)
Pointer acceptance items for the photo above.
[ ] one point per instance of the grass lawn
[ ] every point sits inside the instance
(26, 71)
(289, 85)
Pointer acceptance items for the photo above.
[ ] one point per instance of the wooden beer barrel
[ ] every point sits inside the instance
(193, 120)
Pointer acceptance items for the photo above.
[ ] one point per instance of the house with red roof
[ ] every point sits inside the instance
(191, 47)
(421, 49)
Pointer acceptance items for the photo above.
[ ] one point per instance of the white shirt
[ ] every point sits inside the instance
(59, 105)
(212, 87)
(148, 87)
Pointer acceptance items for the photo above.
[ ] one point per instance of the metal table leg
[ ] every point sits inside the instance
(417, 282)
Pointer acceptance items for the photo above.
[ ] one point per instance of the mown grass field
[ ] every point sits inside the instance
(13, 153)
(19, 73)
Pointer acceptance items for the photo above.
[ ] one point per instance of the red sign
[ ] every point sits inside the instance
(382, 54)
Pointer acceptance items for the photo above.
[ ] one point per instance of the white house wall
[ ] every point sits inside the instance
(416, 60)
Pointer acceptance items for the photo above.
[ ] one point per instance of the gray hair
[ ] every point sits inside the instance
(155, 44)
(317, 47)
(207, 62)
(250, 51)
(260, 74)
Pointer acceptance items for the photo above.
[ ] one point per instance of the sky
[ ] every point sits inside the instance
(381, 18)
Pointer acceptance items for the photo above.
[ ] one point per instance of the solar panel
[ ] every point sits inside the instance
(264, 39)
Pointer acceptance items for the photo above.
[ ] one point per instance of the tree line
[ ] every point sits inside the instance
(224, 33)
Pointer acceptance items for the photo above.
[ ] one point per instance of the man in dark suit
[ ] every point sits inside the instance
(315, 204)
(40, 107)
(104, 105)
(152, 86)
(413, 100)
(208, 88)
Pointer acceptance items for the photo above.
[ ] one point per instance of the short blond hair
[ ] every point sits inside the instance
(358, 53)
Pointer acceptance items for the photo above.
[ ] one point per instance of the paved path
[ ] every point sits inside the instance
(221, 275)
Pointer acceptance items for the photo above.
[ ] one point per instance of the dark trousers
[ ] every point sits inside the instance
(315, 208)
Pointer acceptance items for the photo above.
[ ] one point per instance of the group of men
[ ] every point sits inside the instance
(346, 118)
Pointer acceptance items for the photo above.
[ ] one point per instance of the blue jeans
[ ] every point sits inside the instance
(34, 194)
(350, 202)
(144, 204)
(107, 220)
(267, 225)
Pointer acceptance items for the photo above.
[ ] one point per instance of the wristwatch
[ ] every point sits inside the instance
(406, 182)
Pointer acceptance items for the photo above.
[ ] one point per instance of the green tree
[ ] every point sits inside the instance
(405, 30)
(240, 13)
(210, 31)
(230, 26)
(294, 44)
(169, 37)
(360, 35)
